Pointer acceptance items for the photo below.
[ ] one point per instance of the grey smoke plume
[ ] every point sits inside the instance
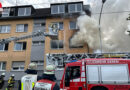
(114, 27)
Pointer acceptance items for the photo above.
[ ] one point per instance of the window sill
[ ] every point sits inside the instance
(20, 32)
(17, 70)
(2, 70)
(5, 33)
(3, 51)
(19, 50)
(57, 48)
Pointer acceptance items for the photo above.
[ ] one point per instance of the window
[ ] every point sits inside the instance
(19, 46)
(39, 62)
(6, 12)
(21, 27)
(72, 46)
(75, 8)
(2, 66)
(4, 47)
(57, 9)
(24, 11)
(73, 25)
(38, 42)
(18, 66)
(59, 25)
(56, 44)
(5, 28)
(39, 24)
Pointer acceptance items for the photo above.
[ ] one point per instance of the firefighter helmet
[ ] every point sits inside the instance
(12, 75)
(3, 74)
(32, 66)
(50, 69)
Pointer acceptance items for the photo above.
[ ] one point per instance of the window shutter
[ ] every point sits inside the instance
(6, 46)
(24, 45)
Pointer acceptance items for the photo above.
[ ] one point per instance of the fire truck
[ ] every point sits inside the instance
(97, 74)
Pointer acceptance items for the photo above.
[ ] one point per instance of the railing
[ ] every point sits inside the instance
(60, 59)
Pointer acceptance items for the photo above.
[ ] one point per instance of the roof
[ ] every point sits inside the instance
(41, 12)
(66, 3)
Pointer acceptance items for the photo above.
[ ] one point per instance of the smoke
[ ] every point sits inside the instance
(114, 27)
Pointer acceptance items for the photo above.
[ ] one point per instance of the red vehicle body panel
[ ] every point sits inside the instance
(83, 85)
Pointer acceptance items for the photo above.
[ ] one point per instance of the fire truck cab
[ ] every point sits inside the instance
(97, 74)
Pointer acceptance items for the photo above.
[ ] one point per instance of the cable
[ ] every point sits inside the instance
(112, 12)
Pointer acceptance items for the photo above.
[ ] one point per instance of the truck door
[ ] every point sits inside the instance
(72, 77)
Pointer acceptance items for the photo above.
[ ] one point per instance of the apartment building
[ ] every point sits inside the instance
(15, 56)
(58, 49)
(53, 49)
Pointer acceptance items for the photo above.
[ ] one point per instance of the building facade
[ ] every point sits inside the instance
(16, 55)
(58, 49)
(59, 24)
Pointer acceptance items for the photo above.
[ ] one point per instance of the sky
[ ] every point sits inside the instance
(37, 3)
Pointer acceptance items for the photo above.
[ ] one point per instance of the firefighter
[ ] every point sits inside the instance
(11, 82)
(2, 80)
(48, 79)
(28, 81)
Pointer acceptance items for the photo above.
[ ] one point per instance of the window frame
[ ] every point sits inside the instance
(38, 43)
(58, 11)
(39, 24)
(3, 49)
(24, 12)
(23, 28)
(19, 67)
(6, 29)
(39, 62)
(22, 46)
(6, 12)
(58, 44)
(76, 8)
(76, 28)
(58, 25)
(1, 66)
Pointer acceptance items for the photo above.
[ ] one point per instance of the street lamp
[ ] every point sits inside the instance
(103, 1)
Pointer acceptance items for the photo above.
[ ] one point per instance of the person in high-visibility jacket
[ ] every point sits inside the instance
(2, 80)
(11, 82)
(28, 81)
(48, 80)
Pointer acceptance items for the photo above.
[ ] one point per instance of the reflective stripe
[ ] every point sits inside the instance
(33, 84)
(22, 86)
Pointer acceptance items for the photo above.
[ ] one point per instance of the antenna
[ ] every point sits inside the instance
(16, 3)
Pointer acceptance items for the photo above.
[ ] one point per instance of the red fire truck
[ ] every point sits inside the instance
(97, 74)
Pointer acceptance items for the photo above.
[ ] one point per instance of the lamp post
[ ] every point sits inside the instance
(103, 1)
